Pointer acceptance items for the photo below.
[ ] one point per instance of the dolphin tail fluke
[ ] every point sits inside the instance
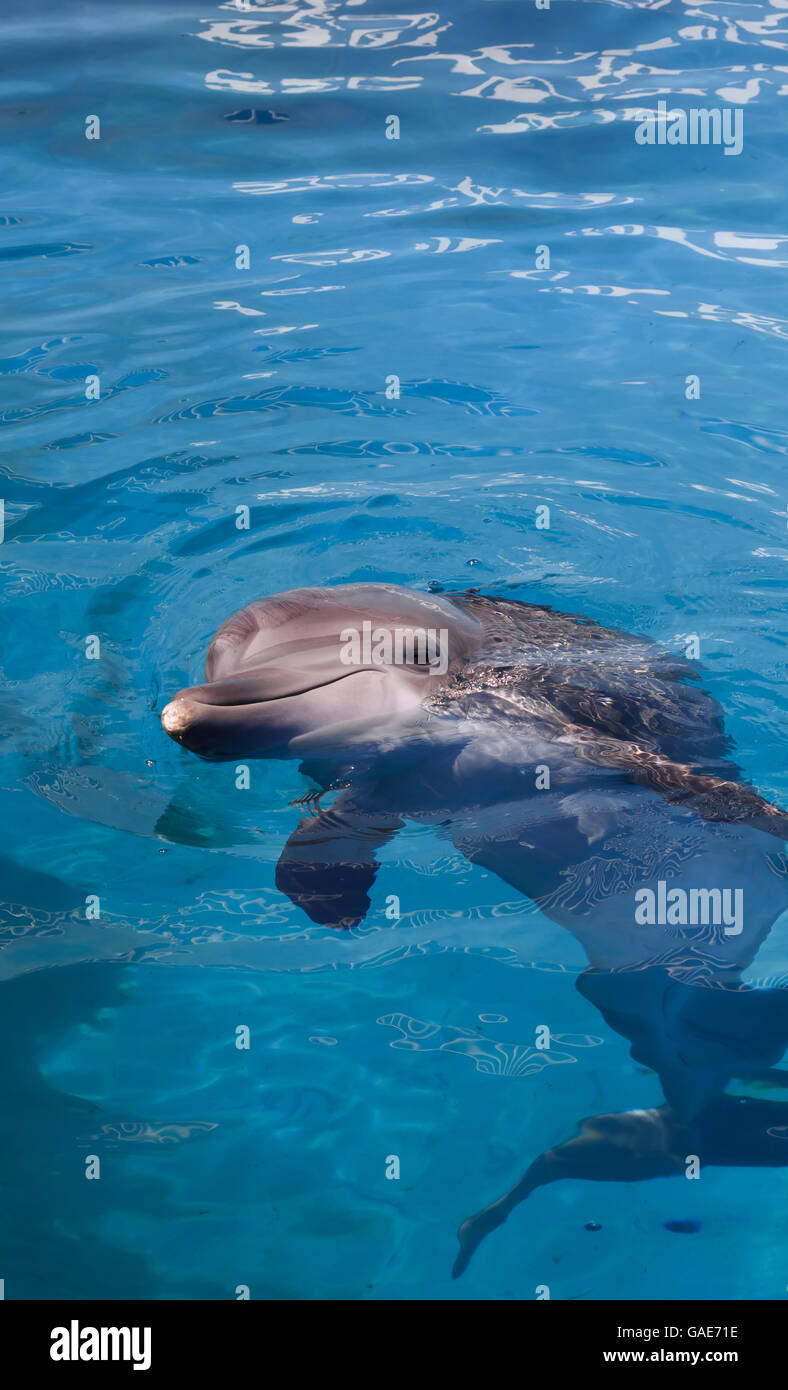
(610, 1148)
(773, 1076)
(472, 1232)
(329, 865)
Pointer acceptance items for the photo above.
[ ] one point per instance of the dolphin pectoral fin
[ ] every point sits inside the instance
(328, 865)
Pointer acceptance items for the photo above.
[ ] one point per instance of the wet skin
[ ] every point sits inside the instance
(642, 789)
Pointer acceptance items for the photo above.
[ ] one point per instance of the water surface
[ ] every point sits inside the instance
(522, 384)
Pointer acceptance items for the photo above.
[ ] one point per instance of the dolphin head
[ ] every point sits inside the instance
(317, 664)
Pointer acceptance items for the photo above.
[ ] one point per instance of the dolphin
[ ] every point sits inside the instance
(584, 766)
(275, 672)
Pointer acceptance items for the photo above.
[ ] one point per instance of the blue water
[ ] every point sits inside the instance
(520, 386)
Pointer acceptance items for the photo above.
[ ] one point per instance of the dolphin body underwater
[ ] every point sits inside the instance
(641, 794)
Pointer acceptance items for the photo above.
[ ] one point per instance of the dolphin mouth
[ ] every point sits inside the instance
(213, 723)
(259, 689)
(200, 713)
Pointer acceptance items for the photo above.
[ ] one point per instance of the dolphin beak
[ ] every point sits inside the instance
(177, 716)
(194, 705)
(223, 719)
(222, 702)
(257, 713)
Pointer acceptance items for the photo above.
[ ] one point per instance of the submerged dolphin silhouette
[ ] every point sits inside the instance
(640, 796)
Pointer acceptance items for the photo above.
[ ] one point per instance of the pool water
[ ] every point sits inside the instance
(392, 351)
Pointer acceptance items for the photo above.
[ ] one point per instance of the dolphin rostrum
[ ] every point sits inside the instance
(580, 764)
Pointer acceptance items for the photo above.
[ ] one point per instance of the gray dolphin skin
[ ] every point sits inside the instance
(642, 812)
